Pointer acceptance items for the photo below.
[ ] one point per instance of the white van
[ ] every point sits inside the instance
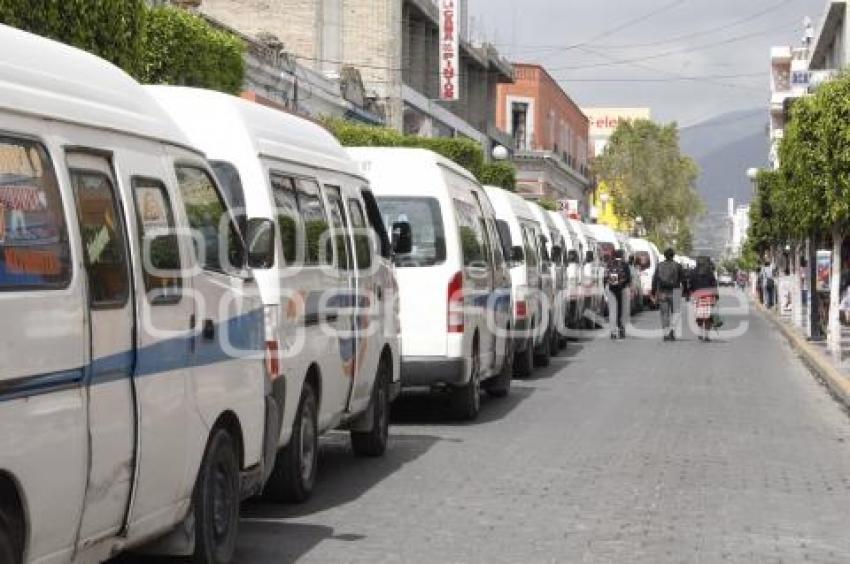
(332, 293)
(132, 381)
(570, 278)
(453, 283)
(551, 248)
(646, 261)
(530, 312)
(592, 273)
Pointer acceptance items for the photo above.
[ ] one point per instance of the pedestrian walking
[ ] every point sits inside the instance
(667, 287)
(768, 281)
(618, 281)
(704, 295)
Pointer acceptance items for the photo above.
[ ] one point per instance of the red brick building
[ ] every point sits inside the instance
(550, 136)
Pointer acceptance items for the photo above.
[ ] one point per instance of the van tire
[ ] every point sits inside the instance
(289, 482)
(216, 501)
(466, 400)
(524, 361)
(543, 353)
(500, 385)
(374, 442)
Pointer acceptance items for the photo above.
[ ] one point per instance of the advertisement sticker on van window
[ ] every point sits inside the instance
(154, 211)
(32, 261)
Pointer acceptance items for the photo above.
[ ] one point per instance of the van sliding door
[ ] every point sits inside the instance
(112, 352)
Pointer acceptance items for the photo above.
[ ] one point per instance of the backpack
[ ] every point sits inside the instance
(668, 275)
(616, 275)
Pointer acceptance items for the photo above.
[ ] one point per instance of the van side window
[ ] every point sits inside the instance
(231, 188)
(373, 213)
(315, 222)
(426, 226)
(102, 231)
(472, 243)
(34, 249)
(340, 224)
(160, 246)
(208, 216)
(362, 235)
(528, 239)
(286, 212)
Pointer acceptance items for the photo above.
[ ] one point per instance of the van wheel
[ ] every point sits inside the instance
(542, 354)
(374, 442)
(500, 385)
(524, 361)
(294, 473)
(11, 549)
(216, 501)
(466, 400)
(554, 341)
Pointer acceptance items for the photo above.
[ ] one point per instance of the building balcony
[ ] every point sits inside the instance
(828, 33)
(780, 56)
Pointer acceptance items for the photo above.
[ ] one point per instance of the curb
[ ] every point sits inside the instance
(821, 367)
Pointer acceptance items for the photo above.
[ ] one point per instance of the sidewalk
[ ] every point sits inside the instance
(834, 372)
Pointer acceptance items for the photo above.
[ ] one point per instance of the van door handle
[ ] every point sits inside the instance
(331, 317)
(208, 332)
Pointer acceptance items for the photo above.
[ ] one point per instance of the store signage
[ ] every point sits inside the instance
(449, 51)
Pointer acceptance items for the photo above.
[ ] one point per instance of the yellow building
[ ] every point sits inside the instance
(603, 209)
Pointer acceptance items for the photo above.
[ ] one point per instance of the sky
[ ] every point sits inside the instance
(721, 47)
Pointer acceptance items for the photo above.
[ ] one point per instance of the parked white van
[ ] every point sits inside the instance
(530, 310)
(132, 381)
(570, 279)
(551, 248)
(646, 261)
(453, 283)
(592, 272)
(332, 293)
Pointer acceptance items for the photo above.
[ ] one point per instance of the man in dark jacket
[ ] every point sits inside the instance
(667, 286)
(618, 279)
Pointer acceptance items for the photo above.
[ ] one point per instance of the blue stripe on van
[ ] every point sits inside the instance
(245, 333)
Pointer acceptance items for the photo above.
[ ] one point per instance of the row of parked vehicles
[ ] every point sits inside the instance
(195, 287)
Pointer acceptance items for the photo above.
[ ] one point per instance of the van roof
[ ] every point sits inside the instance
(44, 78)
(405, 158)
(217, 122)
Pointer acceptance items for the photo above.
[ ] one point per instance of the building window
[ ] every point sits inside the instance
(519, 124)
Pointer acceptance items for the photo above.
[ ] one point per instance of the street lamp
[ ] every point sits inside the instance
(500, 153)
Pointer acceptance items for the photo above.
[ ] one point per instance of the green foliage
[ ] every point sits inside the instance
(649, 177)
(499, 174)
(548, 204)
(162, 45)
(110, 29)
(465, 152)
(181, 48)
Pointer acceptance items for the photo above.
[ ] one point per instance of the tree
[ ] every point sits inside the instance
(815, 166)
(650, 178)
(161, 45)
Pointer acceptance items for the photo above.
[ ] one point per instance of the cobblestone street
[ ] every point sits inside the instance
(635, 451)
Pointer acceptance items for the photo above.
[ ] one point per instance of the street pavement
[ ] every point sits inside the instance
(634, 451)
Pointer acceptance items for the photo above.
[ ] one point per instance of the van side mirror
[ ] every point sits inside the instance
(588, 256)
(572, 256)
(259, 235)
(557, 253)
(402, 238)
(505, 236)
(517, 254)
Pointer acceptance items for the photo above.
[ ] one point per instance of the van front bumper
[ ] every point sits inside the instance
(430, 371)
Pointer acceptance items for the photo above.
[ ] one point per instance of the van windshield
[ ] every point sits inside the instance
(426, 226)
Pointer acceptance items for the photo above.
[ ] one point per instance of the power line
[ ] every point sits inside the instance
(627, 24)
(615, 62)
(668, 79)
(675, 39)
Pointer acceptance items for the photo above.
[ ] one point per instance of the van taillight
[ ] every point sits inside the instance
(455, 308)
(521, 309)
(272, 360)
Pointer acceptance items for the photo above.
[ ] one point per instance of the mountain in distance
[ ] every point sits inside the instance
(724, 147)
